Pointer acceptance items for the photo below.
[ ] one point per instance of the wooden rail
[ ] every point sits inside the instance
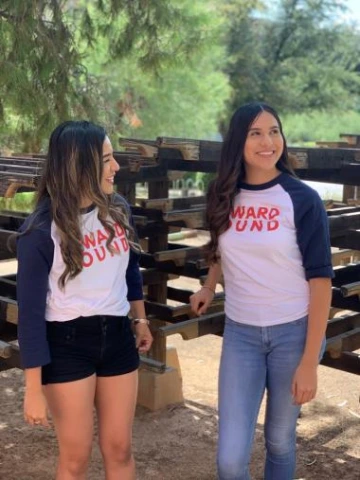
(158, 215)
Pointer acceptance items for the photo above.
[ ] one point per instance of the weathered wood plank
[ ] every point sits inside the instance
(158, 293)
(145, 174)
(344, 256)
(152, 276)
(146, 148)
(197, 327)
(188, 150)
(347, 362)
(8, 288)
(334, 144)
(351, 138)
(192, 269)
(346, 239)
(350, 289)
(347, 341)
(5, 350)
(344, 222)
(169, 204)
(179, 313)
(346, 274)
(8, 309)
(342, 210)
(13, 361)
(348, 303)
(179, 256)
(339, 325)
(178, 295)
(185, 219)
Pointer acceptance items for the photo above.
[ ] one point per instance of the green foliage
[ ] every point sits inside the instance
(308, 128)
(51, 71)
(149, 68)
(39, 69)
(155, 33)
(184, 102)
(182, 99)
(205, 178)
(299, 59)
(21, 202)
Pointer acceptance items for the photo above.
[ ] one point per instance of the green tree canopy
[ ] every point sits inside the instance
(299, 58)
(47, 48)
(146, 68)
(184, 96)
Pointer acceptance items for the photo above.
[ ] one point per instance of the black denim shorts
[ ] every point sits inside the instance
(102, 344)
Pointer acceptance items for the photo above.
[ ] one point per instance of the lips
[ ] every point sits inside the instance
(266, 154)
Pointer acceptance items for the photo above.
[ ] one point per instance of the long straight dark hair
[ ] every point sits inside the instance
(73, 171)
(231, 170)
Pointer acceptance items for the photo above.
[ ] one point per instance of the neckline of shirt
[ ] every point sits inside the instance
(90, 208)
(262, 186)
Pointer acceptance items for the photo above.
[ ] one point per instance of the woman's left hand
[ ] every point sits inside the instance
(144, 338)
(304, 384)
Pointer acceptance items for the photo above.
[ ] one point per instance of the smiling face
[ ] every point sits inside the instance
(263, 148)
(110, 168)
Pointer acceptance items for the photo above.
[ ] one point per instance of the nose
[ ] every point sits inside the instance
(115, 166)
(267, 140)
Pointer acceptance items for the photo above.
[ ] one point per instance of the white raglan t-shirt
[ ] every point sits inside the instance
(100, 287)
(277, 240)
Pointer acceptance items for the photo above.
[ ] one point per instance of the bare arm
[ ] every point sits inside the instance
(143, 335)
(137, 308)
(320, 302)
(305, 379)
(35, 409)
(213, 276)
(201, 299)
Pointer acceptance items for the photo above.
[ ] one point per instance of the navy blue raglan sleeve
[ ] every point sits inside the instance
(312, 229)
(134, 278)
(35, 255)
(133, 274)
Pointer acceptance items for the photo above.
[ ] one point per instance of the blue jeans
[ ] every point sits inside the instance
(254, 359)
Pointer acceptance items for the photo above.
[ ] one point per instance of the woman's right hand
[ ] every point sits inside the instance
(201, 300)
(35, 408)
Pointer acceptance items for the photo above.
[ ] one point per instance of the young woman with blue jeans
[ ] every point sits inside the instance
(270, 239)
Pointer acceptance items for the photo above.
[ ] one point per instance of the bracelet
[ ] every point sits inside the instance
(209, 288)
(136, 321)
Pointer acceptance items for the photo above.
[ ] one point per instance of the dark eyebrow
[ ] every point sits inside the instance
(106, 155)
(255, 128)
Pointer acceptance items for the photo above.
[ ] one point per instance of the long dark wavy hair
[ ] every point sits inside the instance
(73, 171)
(231, 170)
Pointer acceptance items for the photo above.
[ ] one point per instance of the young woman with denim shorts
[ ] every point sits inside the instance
(78, 278)
(270, 239)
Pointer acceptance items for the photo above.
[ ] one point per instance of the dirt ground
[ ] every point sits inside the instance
(179, 442)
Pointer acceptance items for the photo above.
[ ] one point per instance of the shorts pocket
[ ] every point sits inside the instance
(61, 334)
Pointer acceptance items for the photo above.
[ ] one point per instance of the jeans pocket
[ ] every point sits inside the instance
(300, 321)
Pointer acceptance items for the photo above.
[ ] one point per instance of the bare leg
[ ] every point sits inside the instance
(115, 403)
(71, 405)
